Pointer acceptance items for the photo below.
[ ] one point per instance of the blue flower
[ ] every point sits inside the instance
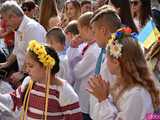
(119, 35)
(134, 36)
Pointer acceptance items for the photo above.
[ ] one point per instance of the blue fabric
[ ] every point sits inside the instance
(62, 52)
(99, 61)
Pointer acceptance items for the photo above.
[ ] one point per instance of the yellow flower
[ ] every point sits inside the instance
(115, 49)
(113, 37)
(40, 51)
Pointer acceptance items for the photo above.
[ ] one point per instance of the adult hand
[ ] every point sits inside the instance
(98, 88)
(3, 65)
(15, 77)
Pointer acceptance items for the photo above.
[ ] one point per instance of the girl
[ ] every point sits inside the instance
(141, 11)
(44, 97)
(133, 91)
(71, 11)
(124, 12)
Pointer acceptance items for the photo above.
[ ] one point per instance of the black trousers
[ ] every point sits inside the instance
(86, 116)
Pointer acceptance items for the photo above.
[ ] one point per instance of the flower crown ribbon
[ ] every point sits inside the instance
(115, 43)
(40, 51)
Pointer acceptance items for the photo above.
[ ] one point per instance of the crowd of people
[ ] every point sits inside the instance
(78, 60)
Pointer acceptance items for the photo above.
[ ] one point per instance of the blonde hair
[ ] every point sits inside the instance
(85, 18)
(76, 4)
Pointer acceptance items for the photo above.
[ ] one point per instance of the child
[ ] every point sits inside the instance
(73, 37)
(85, 67)
(86, 6)
(133, 92)
(76, 46)
(45, 96)
(104, 21)
(56, 39)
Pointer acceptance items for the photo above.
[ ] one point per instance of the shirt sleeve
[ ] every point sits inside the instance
(85, 66)
(70, 104)
(133, 107)
(6, 100)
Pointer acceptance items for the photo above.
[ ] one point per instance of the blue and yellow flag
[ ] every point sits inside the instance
(148, 35)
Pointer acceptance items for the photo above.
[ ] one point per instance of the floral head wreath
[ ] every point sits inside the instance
(40, 51)
(115, 43)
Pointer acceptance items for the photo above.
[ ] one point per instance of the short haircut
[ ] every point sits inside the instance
(11, 7)
(84, 19)
(58, 34)
(107, 16)
(85, 2)
(72, 27)
(28, 5)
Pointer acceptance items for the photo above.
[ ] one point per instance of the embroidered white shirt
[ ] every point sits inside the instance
(28, 30)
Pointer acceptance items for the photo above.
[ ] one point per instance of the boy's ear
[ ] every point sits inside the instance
(103, 29)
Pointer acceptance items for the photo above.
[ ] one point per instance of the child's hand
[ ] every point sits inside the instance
(99, 88)
(76, 41)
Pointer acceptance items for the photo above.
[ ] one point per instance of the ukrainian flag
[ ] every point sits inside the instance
(148, 35)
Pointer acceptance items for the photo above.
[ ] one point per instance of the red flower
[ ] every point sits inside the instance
(127, 30)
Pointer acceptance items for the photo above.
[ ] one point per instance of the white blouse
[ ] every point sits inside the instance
(133, 105)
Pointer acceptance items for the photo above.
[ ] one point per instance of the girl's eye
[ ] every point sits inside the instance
(30, 66)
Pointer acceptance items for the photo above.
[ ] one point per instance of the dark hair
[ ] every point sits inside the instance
(85, 2)
(58, 33)
(50, 51)
(74, 2)
(28, 5)
(72, 27)
(145, 12)
(125, 13)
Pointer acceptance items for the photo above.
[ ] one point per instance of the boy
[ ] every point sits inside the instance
(56, 38)
(104, 22)
(85, 67)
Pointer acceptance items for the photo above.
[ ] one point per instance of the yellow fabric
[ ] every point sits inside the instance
(26, 101)
(47, 91)
(151, 38)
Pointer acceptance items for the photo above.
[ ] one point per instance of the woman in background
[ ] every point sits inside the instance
(52, 18)
(141, 11)
(124, 11)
